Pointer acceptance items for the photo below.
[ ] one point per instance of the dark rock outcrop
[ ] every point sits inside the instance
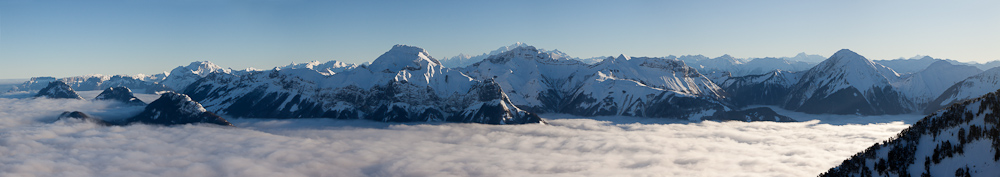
(174, 109)
(81, 116)
(58, 89)
(121, 94)
(750, 115)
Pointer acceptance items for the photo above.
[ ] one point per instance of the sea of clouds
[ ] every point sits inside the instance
(33, 143)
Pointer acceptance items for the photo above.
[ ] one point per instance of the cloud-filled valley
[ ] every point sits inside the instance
(31, 144)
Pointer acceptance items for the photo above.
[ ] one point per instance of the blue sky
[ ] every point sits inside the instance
(68, 38)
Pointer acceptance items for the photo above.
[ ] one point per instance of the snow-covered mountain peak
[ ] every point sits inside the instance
(512, 47)
(726, 57)
(180, 77)
(939, 66)
(846, 58)
(623, 57)
(846, 54)
(525, 52)
(201, 68)
(847, 77)
(402, 57)
(183, 102)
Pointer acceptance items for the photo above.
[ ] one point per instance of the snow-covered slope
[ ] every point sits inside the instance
(635, 86)
(972, 87)
(848, 83)
(405, 84)
(925, 85)
(531, 78)
(961, 140)
(182, 76)
(644, 87)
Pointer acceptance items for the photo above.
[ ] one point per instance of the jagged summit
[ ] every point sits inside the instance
(173, 109)
(623, 57)
(180, 77)
(530, 53)
(201, 68)
(402, 57)
(58, 89)
(726, 57)
(121, 94)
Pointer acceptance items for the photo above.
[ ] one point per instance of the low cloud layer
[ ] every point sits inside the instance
(30, 144)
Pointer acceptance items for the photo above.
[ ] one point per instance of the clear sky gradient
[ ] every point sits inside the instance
(69, 38)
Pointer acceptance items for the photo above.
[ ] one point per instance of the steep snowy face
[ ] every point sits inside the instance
(173, 109)
(848, 83)
(971, 87)
(120, 94)
(403, 57)
(58, 89)
(926, 85)
(529, 76)
(636, 86)
(180, 77)
(665, 74)
(644, 87)
(961, 140)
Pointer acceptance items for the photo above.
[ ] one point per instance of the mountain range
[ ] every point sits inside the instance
(515, 82)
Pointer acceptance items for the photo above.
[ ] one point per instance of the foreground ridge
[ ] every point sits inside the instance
(961, 140)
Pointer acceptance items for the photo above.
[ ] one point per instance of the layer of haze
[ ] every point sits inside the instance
(69, 38)
(32, 143)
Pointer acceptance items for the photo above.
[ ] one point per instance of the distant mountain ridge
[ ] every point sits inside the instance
(406, 84)
(146, 83)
